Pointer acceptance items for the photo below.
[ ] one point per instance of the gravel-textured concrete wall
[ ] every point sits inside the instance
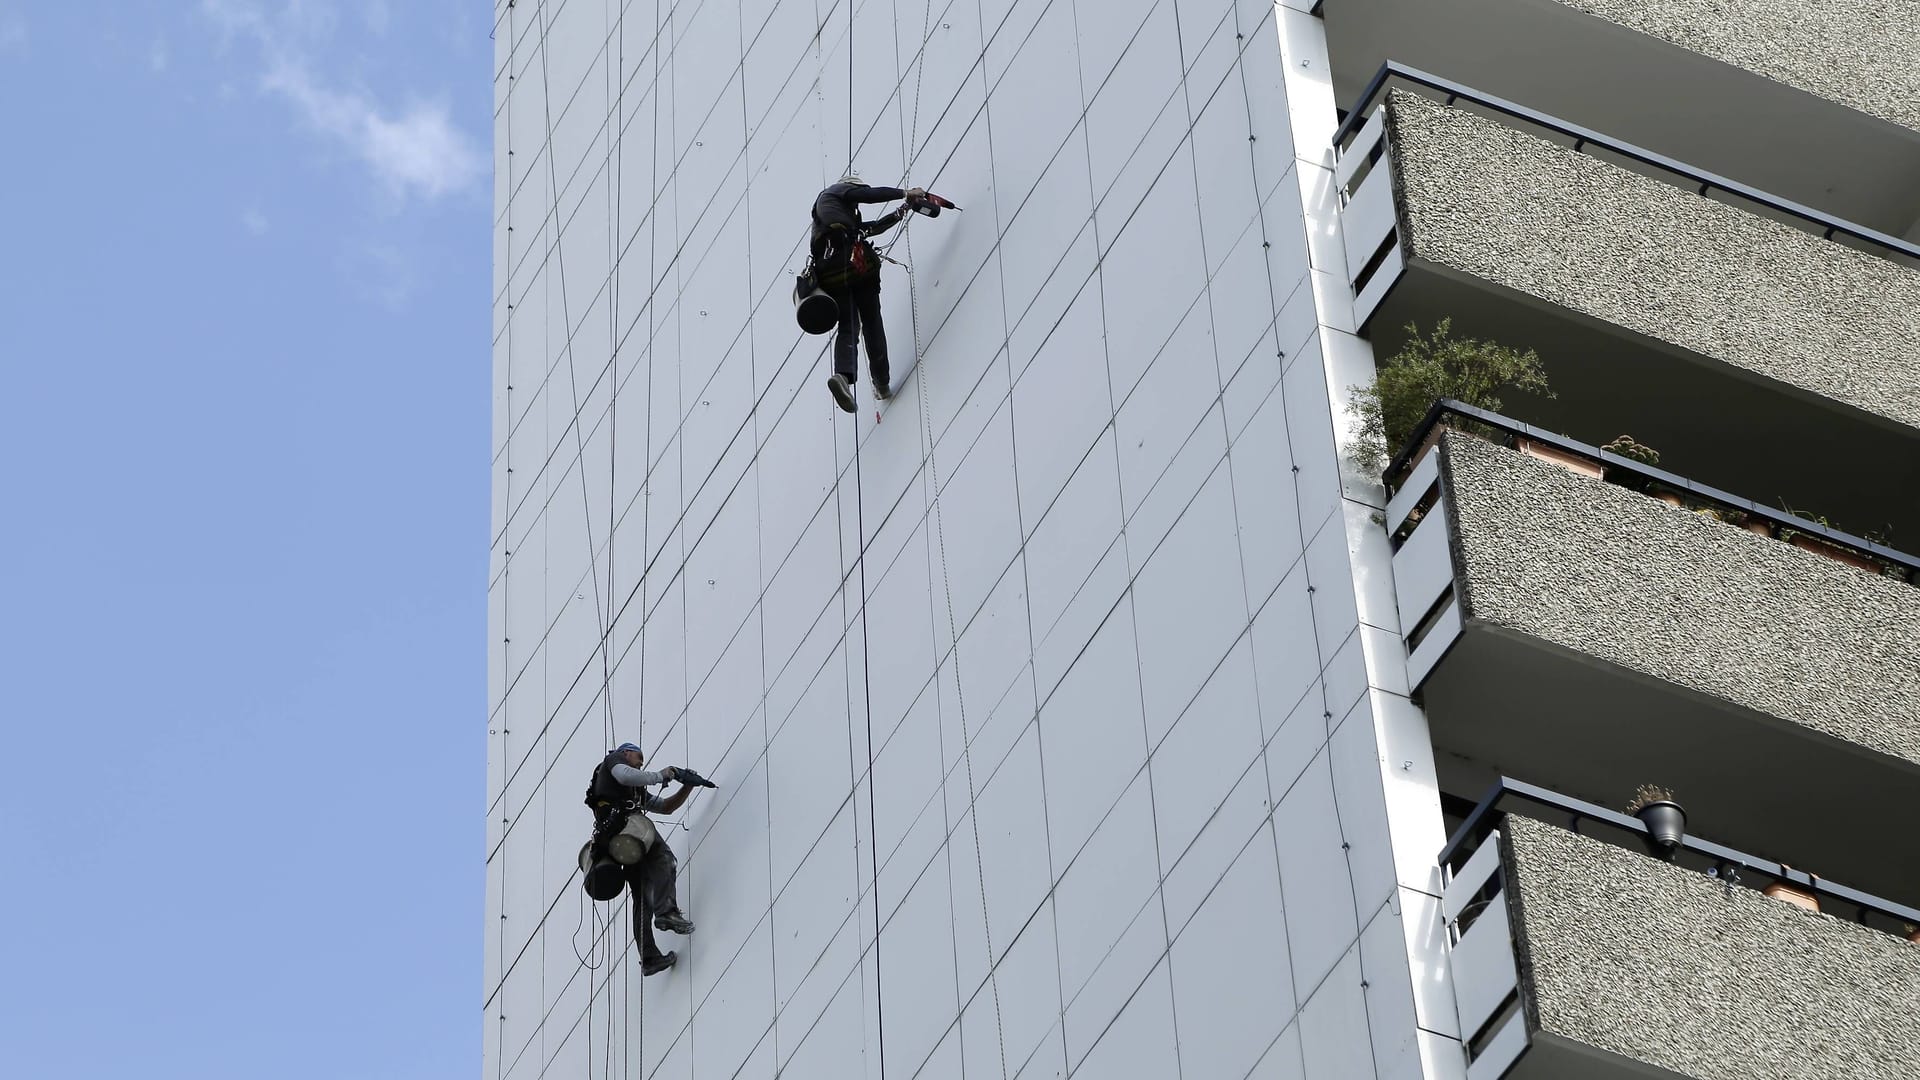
(1513, 209)
(1675, 595)
(1666, 966)
(1864, 54)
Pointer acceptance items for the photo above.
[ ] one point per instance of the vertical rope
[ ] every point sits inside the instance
(866, 659)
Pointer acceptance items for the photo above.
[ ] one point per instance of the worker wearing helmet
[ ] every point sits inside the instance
(618, 790)
(848, 268)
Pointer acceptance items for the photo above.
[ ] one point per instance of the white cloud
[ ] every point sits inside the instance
(415, 149)
(254, 220)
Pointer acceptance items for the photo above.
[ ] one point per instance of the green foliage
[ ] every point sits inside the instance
(1427, 369)
(1633, 451)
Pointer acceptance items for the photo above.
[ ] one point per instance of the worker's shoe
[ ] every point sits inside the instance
(654, 965)
(881, 391)
(673, 922)
(842, 392)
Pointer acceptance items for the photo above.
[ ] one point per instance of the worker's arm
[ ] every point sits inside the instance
(882, 223)
(632, 777)
(672, 802)
(876, 194)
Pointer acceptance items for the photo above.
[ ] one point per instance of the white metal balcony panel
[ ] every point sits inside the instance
(1423, 567)
(1444, 632)
(1471, 878)
(1360, 149)
(1484, 974)
(1368, 217)
(1419, 484)
(1378, 285)
(1501, 1051)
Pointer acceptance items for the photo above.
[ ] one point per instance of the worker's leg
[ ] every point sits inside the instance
(846, 339)
(845, 344)
(651, 958)
(662, 873)
(866, 301)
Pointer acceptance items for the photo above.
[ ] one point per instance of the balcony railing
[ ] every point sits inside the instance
(1730, 866)
(1656, 482)
(1510, 964)
(1586, 140)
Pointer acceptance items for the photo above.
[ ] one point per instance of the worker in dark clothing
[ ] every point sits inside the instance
(620, 803)
(848, 268)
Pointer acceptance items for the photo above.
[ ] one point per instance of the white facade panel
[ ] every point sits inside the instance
(1061, 645)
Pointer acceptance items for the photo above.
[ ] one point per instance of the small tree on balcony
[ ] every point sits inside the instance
(1427, 369)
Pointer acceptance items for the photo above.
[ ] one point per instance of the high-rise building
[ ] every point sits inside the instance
(1093, 708)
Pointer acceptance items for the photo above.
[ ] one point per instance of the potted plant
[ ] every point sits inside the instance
(1820, 545)
(1666, 822)
(1427, 369)
(1753, 523)
(1626, 447)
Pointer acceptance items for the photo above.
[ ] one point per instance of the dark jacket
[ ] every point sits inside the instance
(608, 796)
(840, 248)
(838, 205)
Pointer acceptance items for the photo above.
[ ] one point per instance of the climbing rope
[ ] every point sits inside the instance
(866, 670)
(602, 599)
(946, 580)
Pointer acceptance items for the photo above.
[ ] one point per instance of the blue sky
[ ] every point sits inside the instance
(244, 330)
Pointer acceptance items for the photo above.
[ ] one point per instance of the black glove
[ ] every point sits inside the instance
(690, 778)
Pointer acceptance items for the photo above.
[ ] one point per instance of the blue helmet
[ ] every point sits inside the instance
(626, 746)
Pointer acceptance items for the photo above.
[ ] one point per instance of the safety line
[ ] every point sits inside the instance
(866, 657)
(616, 179)
(586, 507)
(933, 467)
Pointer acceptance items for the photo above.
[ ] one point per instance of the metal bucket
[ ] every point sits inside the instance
(601, 878)
(812, 307)
(628, 846)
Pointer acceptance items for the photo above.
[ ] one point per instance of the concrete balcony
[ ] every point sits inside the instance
(1591, 637)
(1576, 959)
(1772, 350)
(1819, 103)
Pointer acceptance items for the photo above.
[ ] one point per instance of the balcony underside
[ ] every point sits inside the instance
(1551, 1057)
(1721, 425)
(1550, 57)
(1505, 702)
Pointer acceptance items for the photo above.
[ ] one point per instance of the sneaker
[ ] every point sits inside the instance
(673, 922)
(654, 965)
(881, 391)
(842, 393)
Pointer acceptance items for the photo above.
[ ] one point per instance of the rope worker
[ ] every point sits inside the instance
(847, 267)
(620, 802)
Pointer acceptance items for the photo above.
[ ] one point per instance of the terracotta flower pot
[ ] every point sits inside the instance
(1571, 462)
(1793, 894)
(1808, 542)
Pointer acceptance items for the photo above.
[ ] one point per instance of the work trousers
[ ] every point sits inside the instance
(651, 891)
(859, 300)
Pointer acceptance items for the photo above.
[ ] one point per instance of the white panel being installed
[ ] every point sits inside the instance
(954, 660)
